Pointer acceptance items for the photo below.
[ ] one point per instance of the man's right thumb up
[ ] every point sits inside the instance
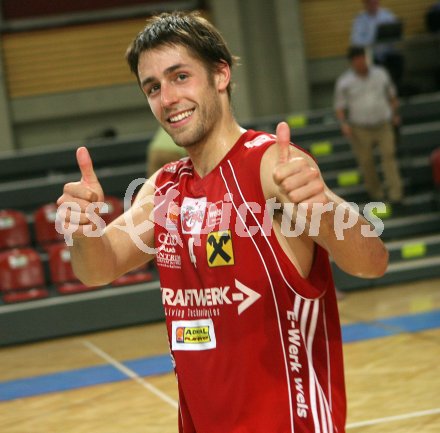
(86, 166)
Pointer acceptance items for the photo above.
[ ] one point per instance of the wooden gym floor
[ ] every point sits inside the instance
(120, 381)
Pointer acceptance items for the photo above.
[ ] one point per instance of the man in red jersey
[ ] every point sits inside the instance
(241, 231)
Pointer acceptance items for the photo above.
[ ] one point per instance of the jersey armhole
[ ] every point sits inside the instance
(318, 276)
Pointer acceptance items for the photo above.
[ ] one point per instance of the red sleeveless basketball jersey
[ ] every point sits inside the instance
(256, 347)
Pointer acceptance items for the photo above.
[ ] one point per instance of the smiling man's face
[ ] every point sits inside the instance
(181, 92)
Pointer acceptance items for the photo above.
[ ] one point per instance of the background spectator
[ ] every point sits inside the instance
(366, 104)
(364, 34)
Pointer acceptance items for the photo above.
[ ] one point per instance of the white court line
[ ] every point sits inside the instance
(130, 373)
(393, 418)
(134, 376)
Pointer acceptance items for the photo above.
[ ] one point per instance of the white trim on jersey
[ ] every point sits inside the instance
(265, 237)
(286, 364)
(296, 307)
(315, 389)
(160, 188)
(173, 185)
(308, 342)
(329, 381)
(325, 412)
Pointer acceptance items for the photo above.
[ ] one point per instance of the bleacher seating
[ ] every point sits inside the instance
(61, 272)
(48, 255)
(21, 275)
(44, 225)
(137, 276)
(14, 229)
(411, 230)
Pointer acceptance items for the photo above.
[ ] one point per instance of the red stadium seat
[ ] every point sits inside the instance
(61, 271)
(14, 229)
(44, 222)
(137, 276)
(21, 275)
(25, 295)
(21, 268)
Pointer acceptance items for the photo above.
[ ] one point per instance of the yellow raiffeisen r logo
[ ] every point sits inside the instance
(219, 249)
(193, 335)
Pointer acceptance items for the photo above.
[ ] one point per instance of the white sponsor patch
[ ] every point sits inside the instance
(215, 211)
(211, 296)
(167, 254)
(193, 335)
(192, 213)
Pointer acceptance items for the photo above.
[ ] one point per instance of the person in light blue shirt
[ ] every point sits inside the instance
(364, 32)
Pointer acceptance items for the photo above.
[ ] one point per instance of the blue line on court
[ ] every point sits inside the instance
(59, 382)
(80, 378)
(150, 366)
(68, 380)
(392, 326)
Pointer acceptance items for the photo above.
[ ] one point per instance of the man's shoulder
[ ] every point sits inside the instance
(172, 172)
(345, 79)
(257, 139)
(378, 72)
(251, 149)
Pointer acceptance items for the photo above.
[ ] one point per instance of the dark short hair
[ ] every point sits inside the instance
(355, 51)
(190, 30)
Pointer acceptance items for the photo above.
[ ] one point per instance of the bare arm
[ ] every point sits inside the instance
(394, 104)
(342, 118)
(293, 177)
(101, 259)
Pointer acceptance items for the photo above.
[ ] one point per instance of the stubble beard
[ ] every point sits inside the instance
(209, 114)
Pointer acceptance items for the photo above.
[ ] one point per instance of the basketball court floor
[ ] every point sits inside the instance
(121, 381)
